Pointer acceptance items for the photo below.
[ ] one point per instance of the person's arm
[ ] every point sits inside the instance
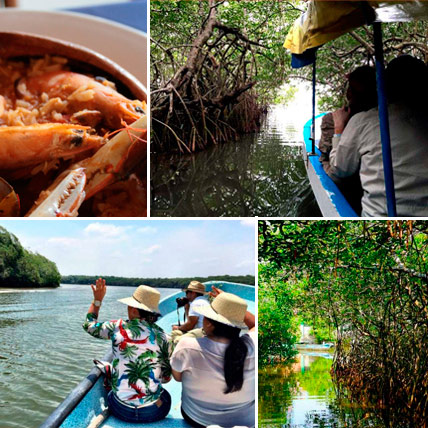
(177, 375)
(99, 290)
(249, 319)
(188, 325)
(345, 157)
(94, 328)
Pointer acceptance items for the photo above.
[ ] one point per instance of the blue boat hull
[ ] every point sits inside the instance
(329, 198)
(87, 404)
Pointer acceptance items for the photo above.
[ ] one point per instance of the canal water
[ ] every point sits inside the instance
(303, 395)
(262, 174)
(44, 352)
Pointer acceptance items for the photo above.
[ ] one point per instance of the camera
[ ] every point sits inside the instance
(181, 301)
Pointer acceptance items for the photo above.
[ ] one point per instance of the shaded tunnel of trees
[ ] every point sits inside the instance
(216, 65)
(364, 285)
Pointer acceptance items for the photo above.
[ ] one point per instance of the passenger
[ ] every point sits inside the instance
(195, 295)
(361, 96)
(140, 355)
(218, 371)
(358, 146)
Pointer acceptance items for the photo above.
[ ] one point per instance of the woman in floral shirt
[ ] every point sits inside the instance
(141, 352)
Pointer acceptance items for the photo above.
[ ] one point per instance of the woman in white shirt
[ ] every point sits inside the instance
(218, 370)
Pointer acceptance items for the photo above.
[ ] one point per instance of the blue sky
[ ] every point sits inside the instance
(141, 248)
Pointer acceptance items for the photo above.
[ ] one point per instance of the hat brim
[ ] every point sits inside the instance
(196, 291)
(130, 301)
(209, 312)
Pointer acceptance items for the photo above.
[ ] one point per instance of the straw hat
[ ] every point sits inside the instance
(196, 286)
(144, 297)
(227, 309)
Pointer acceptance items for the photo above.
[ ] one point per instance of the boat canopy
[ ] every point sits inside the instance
(327, 20)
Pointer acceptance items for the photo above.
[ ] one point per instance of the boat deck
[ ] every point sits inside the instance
(329, 198)
(88, 411)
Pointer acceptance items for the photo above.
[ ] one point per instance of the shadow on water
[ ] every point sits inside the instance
(262, 174)
(302, 395)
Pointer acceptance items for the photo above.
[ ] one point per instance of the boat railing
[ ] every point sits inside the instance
(59, 415)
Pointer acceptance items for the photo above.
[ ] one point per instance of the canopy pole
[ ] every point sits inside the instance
(384, 122)
(314, 68)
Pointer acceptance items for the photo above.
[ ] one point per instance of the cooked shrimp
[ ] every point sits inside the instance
(26, 146)
(83, 92)
(113, 161)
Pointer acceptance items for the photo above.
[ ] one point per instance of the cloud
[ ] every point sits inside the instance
(248, 222)
(106, 230)
(64, 241)
(245, 263)
(151, 249)
(147, 229)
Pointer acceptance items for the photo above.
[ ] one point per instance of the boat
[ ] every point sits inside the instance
(329, 198)
(323, 22)
(86, 405)
(314, 346)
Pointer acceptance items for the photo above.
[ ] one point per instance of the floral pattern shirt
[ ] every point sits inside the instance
(141, 353)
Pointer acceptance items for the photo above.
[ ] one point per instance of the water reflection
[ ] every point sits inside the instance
(303, 395)
(262, 174)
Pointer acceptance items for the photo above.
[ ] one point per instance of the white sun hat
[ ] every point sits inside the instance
(227, 309)
(144, 297)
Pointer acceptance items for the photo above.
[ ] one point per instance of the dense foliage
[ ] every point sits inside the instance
(367, 281)
(212, 68)
(216, 64)
(22, 268)
(156, 282)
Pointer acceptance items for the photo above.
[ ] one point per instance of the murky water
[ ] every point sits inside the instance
(44, 352)
(302, 395)
(262, 174)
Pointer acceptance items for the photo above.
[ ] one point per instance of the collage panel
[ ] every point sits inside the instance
(73, 113)
(289, 109)
(342, 323)
(285, 115)
(126, 323)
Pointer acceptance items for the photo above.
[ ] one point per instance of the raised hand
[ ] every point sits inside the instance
(99, 289)
(215, 292)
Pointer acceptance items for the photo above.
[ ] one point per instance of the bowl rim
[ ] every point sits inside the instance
(134, 85)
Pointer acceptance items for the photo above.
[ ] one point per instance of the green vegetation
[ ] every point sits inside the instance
(155, 282)
(214, 68)
(366, 282)
(215, 65)
(22, 268)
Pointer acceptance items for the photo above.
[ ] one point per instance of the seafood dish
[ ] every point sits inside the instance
(73, 140)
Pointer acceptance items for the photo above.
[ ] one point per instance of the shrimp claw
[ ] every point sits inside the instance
(117, 157)
(65, 199)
